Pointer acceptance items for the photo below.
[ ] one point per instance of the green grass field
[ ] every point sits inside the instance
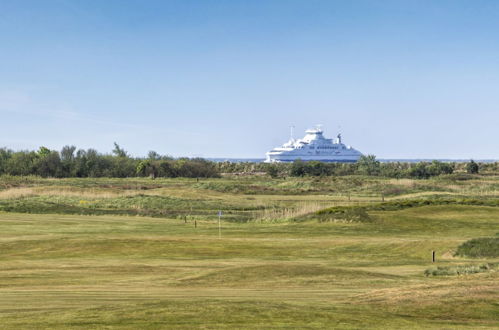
(111, 253)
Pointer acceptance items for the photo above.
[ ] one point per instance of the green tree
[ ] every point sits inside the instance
(298, 168)
(167, 169)
(21, 163)
(67, 153)
(368, 165)
(43, 152)
(438, 168)
(147, 168)
(48, 165)
(472, 167)
(5, 154)
(118, 167)
(272, 170)
(68, 160)
(419, 171)
(153, 155)
(118, 151)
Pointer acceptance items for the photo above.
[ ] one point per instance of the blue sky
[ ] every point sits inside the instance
(403, 79)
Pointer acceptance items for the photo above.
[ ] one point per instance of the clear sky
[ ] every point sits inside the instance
(226, 78)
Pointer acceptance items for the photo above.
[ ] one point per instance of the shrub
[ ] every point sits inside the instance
(459, 270)
(273, 171)
(472, 167)
(344, 214)
(368, 165)
(479, 248)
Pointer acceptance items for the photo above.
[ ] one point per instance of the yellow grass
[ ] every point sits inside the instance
(302, 208)
(63, 191)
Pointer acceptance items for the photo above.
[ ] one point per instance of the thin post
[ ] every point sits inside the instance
(432, 256)
(382, 197)
(195, 224)
(219, 224)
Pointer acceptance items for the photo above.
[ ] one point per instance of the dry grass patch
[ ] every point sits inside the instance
(476, 286)
(65, 191)
(274, 214)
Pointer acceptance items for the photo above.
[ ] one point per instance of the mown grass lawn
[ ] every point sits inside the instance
(74, 271)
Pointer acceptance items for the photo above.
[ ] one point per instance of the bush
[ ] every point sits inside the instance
(479, 248)
(459, 270)
(368, 165)
(472, 167)
(424, 170)
(273, 171)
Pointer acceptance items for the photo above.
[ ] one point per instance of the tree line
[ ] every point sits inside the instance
(70, 162)
(73, 162)
(367, 165)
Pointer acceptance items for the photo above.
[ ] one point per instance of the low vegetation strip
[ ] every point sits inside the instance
(479, 248)
(460, 270)
(143, 205)
(359, 213)
(404, 204)
(354, 214)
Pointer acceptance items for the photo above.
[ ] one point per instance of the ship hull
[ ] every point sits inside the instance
(306, 158)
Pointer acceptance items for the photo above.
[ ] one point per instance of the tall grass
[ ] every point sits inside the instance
(272, 214)
(479, 248)
(56, 191)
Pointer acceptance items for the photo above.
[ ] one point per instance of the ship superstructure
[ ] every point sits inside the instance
(314, 146)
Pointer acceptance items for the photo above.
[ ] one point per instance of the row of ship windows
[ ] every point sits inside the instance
(322, 147)
(326, 147)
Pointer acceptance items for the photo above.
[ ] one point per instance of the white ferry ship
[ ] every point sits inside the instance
(314, 146)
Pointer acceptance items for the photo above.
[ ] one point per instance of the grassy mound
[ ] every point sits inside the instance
(357, 214)
(479, 248)
(404, 204)
(360, 213)
(282, 274)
